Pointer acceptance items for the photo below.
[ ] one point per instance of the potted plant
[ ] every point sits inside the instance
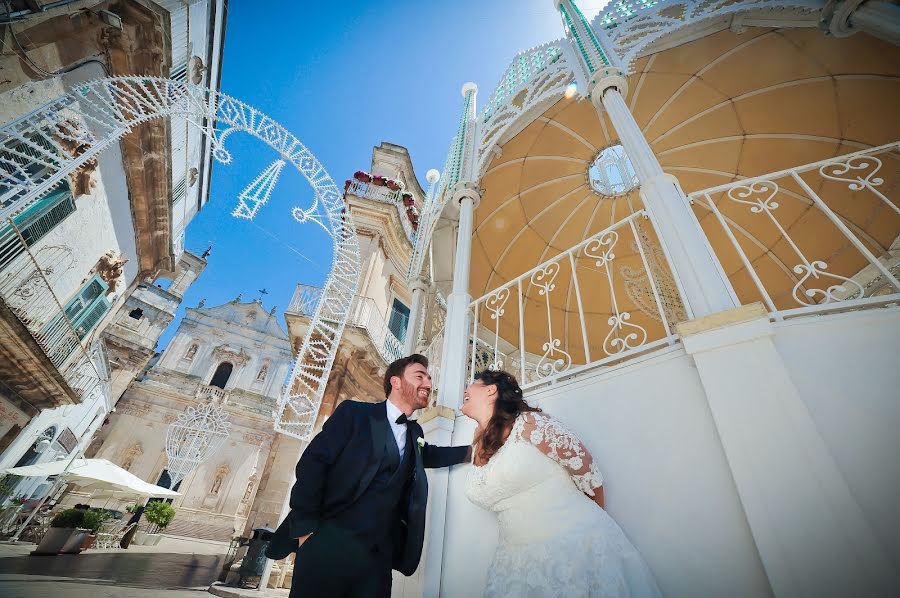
(93, 520)
(160, 514)
(408, 200)
(378, 180)
(392, 184)
(362, 176)
(65, 527)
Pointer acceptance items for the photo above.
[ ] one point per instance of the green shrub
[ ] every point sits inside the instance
(93, 519)
(70, 518)
(159, 513)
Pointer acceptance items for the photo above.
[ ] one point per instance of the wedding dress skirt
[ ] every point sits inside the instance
(554, 541)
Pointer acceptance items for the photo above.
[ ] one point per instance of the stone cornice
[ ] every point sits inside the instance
(379, 218)
(140, 48)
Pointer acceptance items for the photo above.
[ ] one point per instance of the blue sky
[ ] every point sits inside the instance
(343, 77)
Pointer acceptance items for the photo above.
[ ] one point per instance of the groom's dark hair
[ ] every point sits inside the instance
(398, 367)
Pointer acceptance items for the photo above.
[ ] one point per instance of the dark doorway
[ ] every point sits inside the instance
(223, 373)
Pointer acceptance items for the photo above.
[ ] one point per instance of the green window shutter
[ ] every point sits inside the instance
(88, 307)
(35, 222)
(91, 316)
(84, 310)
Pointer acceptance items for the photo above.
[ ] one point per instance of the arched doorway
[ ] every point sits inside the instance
(223, 373)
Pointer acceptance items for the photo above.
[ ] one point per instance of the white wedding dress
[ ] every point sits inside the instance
(554, 540)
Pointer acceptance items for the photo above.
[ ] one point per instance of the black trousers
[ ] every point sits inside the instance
(332, 563)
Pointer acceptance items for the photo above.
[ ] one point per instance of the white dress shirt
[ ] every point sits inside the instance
(399, 430)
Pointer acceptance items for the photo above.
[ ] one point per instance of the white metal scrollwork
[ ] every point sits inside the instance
(195, 435)
(760, 196)
(856, 167)
(623, 335)
(95, 115)
(494, 304)
(555, 359)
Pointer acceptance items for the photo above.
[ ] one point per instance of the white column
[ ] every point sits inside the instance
(811, 534)
(706, 288)
(453, 374)
(413, 328)
(456, 328)
(876, 17)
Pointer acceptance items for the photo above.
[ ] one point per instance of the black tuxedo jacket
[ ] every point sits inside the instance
(337, 468)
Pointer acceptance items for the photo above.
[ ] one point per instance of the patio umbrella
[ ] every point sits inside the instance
(96, 475)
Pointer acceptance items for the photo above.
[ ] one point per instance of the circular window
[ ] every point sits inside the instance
(611, 172)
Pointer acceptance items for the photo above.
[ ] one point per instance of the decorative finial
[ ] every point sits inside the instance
(201, 303)
(469, 87)
(272, 311)
(238, 298)
(206, 253)
(261, 292)
(432, 176)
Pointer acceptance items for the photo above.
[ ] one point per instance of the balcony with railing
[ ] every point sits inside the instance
(364, 315)
(385, 195)
(31, 280)
(205, 392)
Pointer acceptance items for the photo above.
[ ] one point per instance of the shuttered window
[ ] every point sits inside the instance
(35, 222)
(88, 307)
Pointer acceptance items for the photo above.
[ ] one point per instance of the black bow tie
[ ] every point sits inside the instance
(402, 419)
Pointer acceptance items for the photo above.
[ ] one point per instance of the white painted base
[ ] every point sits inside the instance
(670, 465)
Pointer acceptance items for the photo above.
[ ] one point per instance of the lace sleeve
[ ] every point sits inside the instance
(561, 445)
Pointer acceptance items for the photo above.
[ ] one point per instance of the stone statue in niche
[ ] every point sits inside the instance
(191, 352)
(250, 485)
(110, 268)
(134, 452)
(220, 477)
(263, 371)
(196, 69)
(193, 175)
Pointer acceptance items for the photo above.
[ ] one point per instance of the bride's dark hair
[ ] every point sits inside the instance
(508, 406)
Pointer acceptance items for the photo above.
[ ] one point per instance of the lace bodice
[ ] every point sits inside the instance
(539, 451)
(553, 540)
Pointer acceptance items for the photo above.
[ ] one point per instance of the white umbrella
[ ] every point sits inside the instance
(96, 475)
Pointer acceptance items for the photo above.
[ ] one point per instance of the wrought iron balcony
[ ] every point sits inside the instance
(32, 279)
(384, 195)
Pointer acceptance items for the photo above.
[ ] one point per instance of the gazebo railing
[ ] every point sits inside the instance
(608, 298)
(774, 234)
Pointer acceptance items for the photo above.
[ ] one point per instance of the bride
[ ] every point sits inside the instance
(555, 537)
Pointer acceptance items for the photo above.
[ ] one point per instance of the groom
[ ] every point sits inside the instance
(358, 506)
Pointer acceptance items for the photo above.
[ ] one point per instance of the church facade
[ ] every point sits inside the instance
(237, 356)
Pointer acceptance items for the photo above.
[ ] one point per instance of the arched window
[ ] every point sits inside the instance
(223, 373)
